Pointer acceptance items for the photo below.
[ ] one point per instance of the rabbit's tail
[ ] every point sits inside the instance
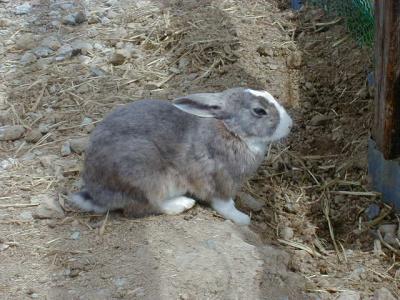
(85, 202)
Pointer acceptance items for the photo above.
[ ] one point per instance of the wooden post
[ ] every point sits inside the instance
(386, 124)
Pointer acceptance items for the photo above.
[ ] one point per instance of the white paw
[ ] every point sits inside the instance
(228, 210)
(177, 205)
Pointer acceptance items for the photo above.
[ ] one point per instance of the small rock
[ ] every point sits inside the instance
(76, 235)
(97, 72)
(358, 274)
(51, 42)
(273, 67)
(249, 202)
(47, 161)
(33, 136)
(11, 132)
(4, 246)
(5, 22)
(86, 121)
(48, 208)
(388, 228)
(26, 41)
(35, 296)
(286, 233)
(265, 51)
(27, 58)
(23, 9)
(318, 120)
(26, 215)
(183, 62)
(44, 128)
(42, 52)
(79, 145)
(65, 51)
(117, 58)
(372, 211)
(105, 21)
(80, 47)
(74, 19)
(65, 149)
(294, 60)
(7, 164)
(383, 294)
(349, 295)
(120, 282)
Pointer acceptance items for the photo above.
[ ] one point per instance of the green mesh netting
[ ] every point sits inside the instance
(358, 14)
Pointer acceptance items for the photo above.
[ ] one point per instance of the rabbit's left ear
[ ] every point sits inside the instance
(205, 105)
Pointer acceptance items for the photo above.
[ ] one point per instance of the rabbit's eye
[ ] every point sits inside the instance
(259, 111)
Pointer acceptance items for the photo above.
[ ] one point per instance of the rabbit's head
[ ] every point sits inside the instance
(254, 116)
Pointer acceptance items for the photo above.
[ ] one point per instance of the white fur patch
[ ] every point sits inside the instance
(85, 204)
(177, 205)
(228, 210)
(285, 121)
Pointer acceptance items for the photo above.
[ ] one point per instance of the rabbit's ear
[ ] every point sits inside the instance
(206, 105)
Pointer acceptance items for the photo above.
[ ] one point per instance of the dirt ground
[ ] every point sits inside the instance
(64, 64)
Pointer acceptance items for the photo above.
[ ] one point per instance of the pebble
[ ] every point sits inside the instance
(294, 60)
(349, 295)
(25, 41)
(76, 235)
(372, 211)
(86, 121)
(358, 274)
(265, 51)
(7, 164)
(388, 228)
(117, 58)
(383, 294)
(42, 51)
(28, 58)
(33, 136)
(81, 47)
(79, 145)
(250, 202)
(48, 208)
(105, 21)
(65, 149)
(286, 233)
(74, 19)
(51, 42)
(23, 9)
(11, 132)
(44, 128)
(26, 215)
(318, 120)
(5, 22)
(65, 51)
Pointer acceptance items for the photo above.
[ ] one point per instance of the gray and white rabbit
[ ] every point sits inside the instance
(154, 156)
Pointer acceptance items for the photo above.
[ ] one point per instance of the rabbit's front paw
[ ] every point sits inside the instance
(228, 210)
(177, 205)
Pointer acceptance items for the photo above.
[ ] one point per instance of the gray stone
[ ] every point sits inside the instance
(48, 208)
(7, 164)
(383, 294)
(33, 136)
(349, 295)
(11, 132)
(28, 58)
(42, 51)
(44, 128)
(65, 51)
(76, 235)
(51, 42)
(65, 149)
(26, 215)
(250, 202)
(5, 22)
(74, 19)
(318, 120)
(81, 47)
(23, 9)
(25, 42)
(79, 145)
(286, 233)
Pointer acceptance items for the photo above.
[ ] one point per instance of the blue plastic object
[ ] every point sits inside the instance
(385, 175)
(297, 4)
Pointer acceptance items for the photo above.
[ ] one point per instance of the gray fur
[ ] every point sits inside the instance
(150, 151)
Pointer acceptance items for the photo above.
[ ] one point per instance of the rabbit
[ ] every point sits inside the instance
(160, 157)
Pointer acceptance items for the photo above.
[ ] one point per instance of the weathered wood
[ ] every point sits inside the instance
(386, 125)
